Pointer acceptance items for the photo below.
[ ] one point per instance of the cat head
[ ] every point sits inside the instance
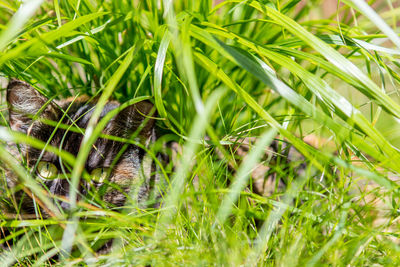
(112, 166)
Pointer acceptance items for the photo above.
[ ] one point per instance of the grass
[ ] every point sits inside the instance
(219, 75)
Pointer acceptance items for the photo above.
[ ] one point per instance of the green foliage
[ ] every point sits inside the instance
(227, 73)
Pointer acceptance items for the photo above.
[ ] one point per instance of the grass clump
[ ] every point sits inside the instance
(226, 79)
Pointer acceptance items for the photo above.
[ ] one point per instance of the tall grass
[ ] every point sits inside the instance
(219, 75)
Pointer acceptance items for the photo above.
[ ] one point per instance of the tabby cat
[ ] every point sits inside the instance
(114, 172)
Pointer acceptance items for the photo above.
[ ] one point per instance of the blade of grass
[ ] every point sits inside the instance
(171, 203)
(36, 45)
(26, 10)
(158, 73)
(28, 181)
(183, 52)
(58, 13)
(68, 58)
(86, 145)
(261, 243)
(315, 156)
(320, 88)
(242, 175)
(339, 231)
(369, 12)
(368, 86)
(20, 138)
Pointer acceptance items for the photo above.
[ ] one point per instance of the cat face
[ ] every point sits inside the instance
(112, 167)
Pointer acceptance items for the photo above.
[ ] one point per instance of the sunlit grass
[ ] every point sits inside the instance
(220, 76)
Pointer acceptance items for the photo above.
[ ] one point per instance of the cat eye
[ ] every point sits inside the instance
(47, 170)
(99, 174)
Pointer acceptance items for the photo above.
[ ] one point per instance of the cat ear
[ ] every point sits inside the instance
(140, 115)
(24, 102)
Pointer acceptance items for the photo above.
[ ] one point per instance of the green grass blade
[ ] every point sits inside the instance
(368, 86)
(35, 45)
(171, 202)
(26, 10)
(158, 74)
(261, 243)
(86, 145)
(339, 231)
(242, 175)
(306, 107)
(183, 53)
(27, 180)
(369, 12)
(264, 74)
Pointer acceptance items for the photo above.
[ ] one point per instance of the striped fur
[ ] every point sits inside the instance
(28, 110)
